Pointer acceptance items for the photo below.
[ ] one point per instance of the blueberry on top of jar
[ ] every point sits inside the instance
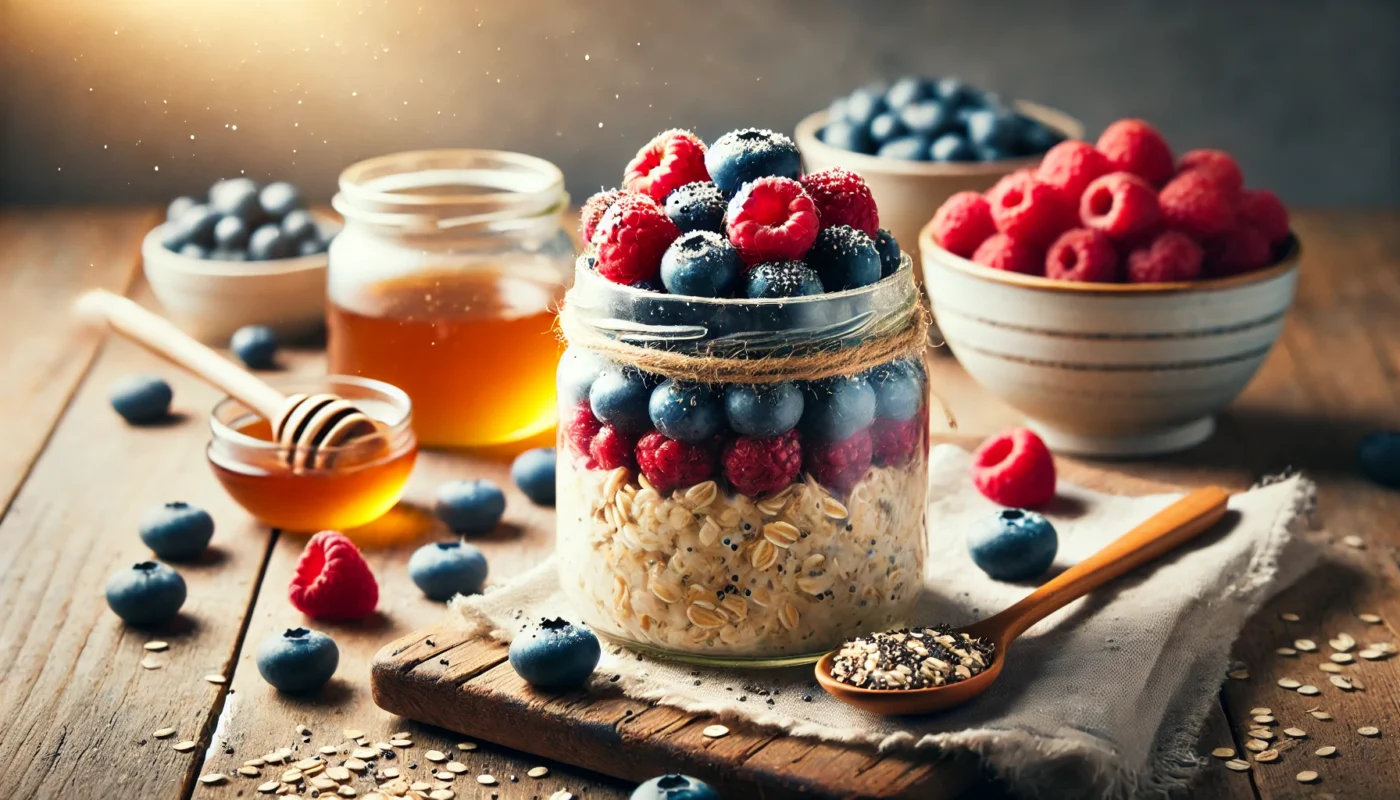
(782, 279)
(844, 258)
(698, 206)
(701, 263)
(744, 155)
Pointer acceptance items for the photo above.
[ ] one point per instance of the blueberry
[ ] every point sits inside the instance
(470, 506)
(533, 472)
(782, 279)
(764, 409)
(310, 247)
(280, 199)
(557, 654)
(445, 569)
(954, 92)
(844, 258)
(267, 243)
(928, 118)
(836, 109)
(299, 660)
(675, 787)
(619, 397)
(899, 389)
(847, 135)
(195, 225)
(575, 374)
(993, 128)
(255, 345)
(836, 408)
(745, 155)
(147, 594)
(697, 206)
(178, 207)
(686, 412)
(885, 127)
(237, 197)
(1378, 455)
(864, 103)
(1013, 545)
(701, 264)
(951, 147)
(299, 226)
(908, 90)
(177, 531)
(231, 233)
(888, 248)
(1037, 137)
(905, 148)
(192, 250)
(141, 399)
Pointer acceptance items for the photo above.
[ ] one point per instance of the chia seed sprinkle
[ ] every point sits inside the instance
(910, 658)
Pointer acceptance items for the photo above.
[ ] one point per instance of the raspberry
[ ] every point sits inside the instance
(840, 465)
(1242, 250)
(1218, 164)
(842, 198)
(669, 161)
(963, 222)
(1070, 167)
(332, 580)
(1014, 468)
(757, 465)
(1172, 256)
(612, 448)
(772, 219)
(582, 427)
(669, 464)
(1002, 252)
(1027, 210)
(1120, 205)
(1132, 145)
(1082, 255)
(1196, 204)
(631, 237)
(593, 210)
(1262, 210)
(893, 441)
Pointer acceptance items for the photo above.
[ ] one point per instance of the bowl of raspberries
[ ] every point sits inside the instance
(244, 254)
(920, 140)
(1119, 295)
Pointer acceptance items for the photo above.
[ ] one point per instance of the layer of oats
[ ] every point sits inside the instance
(715, 574)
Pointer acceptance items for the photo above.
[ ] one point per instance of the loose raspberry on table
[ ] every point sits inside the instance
(840, 465)
(1196, 204)
(1083, 255)
(669, 464)
(842, 198)
(1070, 167)
(1132, 145)
(1244, 249)
(1262, 210)
(1172, 256)
(612, 448)
(1219, 165)
(332, 580)
(893, 442)
(1004, 253)
(772, 219)
(1120, 205)
(669, 161)
(631, 237)
(757, 465)
(581, 427)
(1015, 469)
(962, 223)
(593, 210)
(1027, 210)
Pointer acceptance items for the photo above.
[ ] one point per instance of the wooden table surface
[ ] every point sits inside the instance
(77, 707)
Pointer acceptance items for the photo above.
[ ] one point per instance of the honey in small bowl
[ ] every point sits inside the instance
(359, 482)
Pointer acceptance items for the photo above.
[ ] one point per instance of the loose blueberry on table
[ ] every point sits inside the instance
(446, 569)
(147, 594)
(556, 654)
(241, 222)
(470, 507)
(675, 787)
(533, 473)
(298, 660)
(255, 345)
(141, 399)
(1379, 457)
(1013, 545)
(177, 531)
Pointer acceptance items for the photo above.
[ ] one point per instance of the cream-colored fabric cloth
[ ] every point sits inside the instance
(1104, 698)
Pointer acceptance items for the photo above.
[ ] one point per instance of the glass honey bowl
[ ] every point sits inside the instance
(359, 481)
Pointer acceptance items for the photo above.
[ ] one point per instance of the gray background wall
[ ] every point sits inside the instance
(116, 101)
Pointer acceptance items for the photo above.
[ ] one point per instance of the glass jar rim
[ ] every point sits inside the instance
(393, 434)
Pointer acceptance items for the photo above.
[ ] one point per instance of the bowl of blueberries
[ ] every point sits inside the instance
(918, 141)
(244, 255)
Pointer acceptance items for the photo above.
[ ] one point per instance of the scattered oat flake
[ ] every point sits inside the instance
(435, 755)
(338, 774)
(269, 787)
(347, 791)
(540, 772)
(1322, 715)
(1238, 674)
(1340, 682)
(1370, 619)
(401, 742)
(1305, 645)
(151, 662)
(1342, 658)
(1343, 642)
(164, 733)
(183, 747)
(456, 766)
(1254, 712)
(466, 746)
(1326, 752)
(1309, 690)
(1237, 765)
(213, 777)
(715, 731)
(486, 780)
(562, 794)
(1286, 651)
(214, 677)
(1288, 616)
(441, 794)
(1296, 733)
(251, 772)
(1371, 655)
(1266, 756)
(1307, 776)
(1354, 541)
(1369, 730)
(156, 646)
(1256, 745)
(327, 751)
(1264, 719)
(1288, 683)
(1261, 733)
(1328, 666)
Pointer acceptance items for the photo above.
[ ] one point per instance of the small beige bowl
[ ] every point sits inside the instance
(1109, 369)
(211, 299)
(909, 192)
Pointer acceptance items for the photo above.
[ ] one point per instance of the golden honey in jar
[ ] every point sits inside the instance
(445, 282)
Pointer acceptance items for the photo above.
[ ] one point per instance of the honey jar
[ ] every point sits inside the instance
(445, 282)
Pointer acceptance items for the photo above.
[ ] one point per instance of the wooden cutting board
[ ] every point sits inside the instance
(443, 678)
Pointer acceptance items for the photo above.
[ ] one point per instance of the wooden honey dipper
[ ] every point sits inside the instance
(305, 425)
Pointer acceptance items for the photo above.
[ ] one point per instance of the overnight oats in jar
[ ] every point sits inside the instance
(741, 478)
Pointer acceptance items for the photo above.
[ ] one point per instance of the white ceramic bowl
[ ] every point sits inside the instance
(211, 299)
(1118, 370)
(909, 192)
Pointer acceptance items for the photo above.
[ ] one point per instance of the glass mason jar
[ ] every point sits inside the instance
(445, 279)
(787, 514)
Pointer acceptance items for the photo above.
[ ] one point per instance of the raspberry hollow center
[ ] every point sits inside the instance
(1101, 202)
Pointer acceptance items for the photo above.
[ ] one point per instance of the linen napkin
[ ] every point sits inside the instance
(1106, 697)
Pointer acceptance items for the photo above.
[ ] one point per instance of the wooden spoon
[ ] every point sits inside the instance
(306, 425)
(1169, 528)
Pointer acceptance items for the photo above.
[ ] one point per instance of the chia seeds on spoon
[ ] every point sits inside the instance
(910, 658)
